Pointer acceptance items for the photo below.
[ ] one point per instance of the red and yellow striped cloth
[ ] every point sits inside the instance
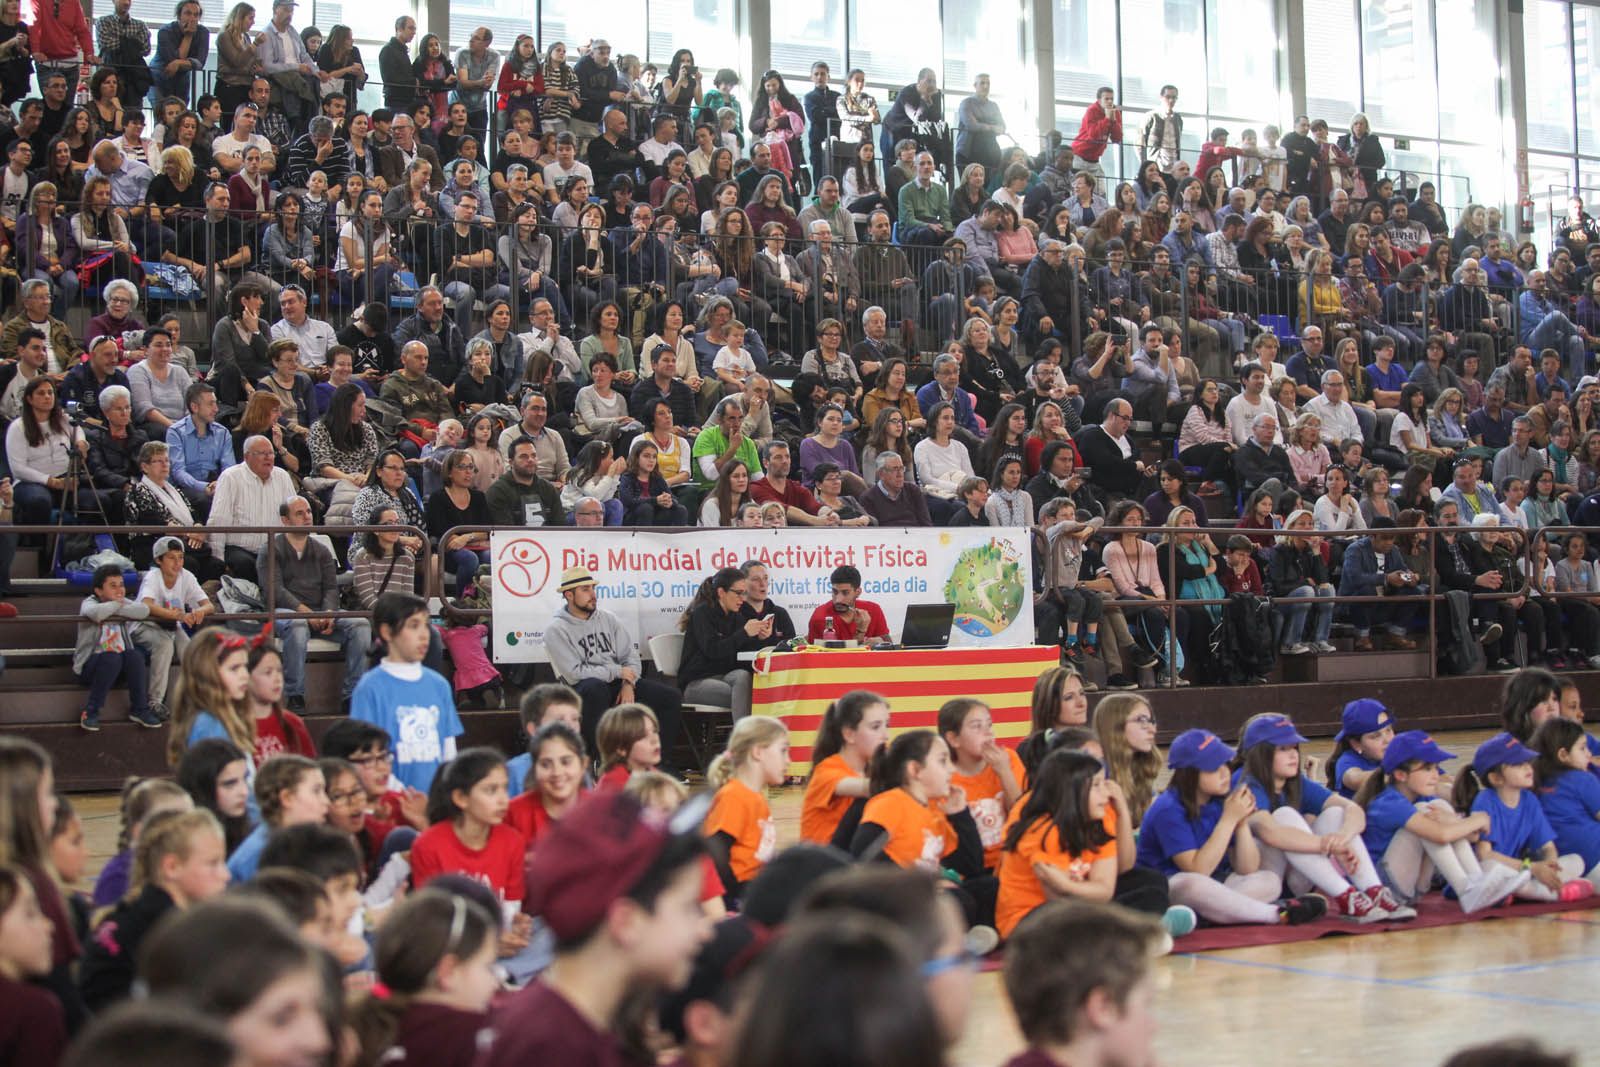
(797, 687)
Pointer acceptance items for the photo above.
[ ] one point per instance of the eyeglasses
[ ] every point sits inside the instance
(347, 797)
(1142, 720)
(376, 757)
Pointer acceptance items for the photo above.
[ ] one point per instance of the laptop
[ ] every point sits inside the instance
(927, 625)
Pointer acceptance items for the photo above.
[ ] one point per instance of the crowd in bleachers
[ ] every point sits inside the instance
(827, 313)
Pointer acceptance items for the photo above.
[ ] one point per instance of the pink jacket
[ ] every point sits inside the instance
(1128, 575)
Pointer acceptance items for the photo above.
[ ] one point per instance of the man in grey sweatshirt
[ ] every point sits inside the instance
(593, 652)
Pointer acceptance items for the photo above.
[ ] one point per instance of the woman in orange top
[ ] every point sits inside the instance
(853, 729)
(739, 825)
(992, 777)
(917, 819)
(556, 781)
(1056, 844)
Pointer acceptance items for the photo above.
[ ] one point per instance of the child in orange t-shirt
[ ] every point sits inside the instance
(917, 819)
(1056, 844)
(739, 825)
(853, 729)
(991, 776)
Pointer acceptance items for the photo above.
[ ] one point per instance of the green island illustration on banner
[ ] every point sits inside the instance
(987, 586)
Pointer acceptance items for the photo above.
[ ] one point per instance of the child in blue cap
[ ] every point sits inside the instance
(1413, 832)
(1366, 728)
(1327, 853)
(1568, 792)
(1519, 835)
(1197, 833)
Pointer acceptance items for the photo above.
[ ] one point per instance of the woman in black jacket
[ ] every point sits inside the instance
(1297, 574)
(1464, 565)
(714, 633)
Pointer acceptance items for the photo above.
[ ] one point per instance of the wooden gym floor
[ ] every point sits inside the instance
(1407, 998)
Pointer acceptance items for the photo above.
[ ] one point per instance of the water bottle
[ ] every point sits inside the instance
(828, 633)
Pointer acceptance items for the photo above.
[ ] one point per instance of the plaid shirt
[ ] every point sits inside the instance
(274, 126)
(119, 34)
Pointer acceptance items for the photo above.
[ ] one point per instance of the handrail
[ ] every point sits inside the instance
(267, 583)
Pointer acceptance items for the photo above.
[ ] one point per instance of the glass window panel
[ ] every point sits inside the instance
(1586, 44)
(1333, 67)
(505, 19)
(1468, 85)
(986, 38)
(1083, 62)
(1548, 75)
(1243, 68)
(1469, 174)
(1397, 55)
(621, 22)
(706, 26)
(894, 39)
(803, 34)
(1163, 42)
(1549, 185)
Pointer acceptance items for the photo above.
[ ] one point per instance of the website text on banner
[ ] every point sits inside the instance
(648, 577)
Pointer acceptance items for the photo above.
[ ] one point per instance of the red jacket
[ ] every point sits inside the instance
(1212, 156)
(58, 30)
(1095, 133)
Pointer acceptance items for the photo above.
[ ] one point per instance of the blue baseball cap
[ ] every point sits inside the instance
(1200, 749)
(1271, 730)
(1410, 745)
(1364, 716)
(1498, 751)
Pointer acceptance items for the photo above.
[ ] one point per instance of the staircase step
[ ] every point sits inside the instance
(1355, 666)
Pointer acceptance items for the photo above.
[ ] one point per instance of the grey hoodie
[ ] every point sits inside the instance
(597, 647)
(97, 612)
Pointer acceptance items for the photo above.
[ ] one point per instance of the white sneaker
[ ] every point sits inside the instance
(1491, 887)
(1324, 647)
(1299, 648)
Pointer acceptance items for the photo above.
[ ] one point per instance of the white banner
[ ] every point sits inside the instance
(648, 577)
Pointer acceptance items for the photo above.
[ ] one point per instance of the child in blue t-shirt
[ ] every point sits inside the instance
(1568, 793)
(1519, 835)
(1327, 853)
(1365, 730)
(1197, 833)
(1571, 698)
(414, 704)
(1412, 832)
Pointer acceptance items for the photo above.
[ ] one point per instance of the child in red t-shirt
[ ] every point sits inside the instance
(559, 760)
(279, 731)
(368, 748)
(629, 739)
(469, 836)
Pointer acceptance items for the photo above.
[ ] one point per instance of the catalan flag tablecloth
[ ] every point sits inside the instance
(797, 687)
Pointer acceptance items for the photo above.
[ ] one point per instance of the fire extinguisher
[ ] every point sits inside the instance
(1525, 215)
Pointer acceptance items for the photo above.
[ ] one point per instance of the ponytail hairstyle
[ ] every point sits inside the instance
(843, 714)
(720, 582)
(749, 734)
(1466, 790)
(619, 729)
(1345, 744)
(460, 775)
(1550, 738)
(889, 765)
(1524, 691)
(1135, 772)
(552, 731)
(276, 775)
(24, 838)
(168, 833)
(200, 691)
(391, 610)
(144, 797)
(1378, 781)
(198, 772)
(1060, 794)
(424, 929)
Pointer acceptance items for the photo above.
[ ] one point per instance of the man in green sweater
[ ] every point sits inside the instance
(520, 497)
(924, 207)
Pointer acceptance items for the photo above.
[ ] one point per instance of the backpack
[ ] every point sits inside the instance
(1242, 648)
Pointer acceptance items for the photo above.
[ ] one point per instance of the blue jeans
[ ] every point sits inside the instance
(1556, 331)
(463, 564)
(102, 672)
(464, 295)
(1294, 614)
(354, 637)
